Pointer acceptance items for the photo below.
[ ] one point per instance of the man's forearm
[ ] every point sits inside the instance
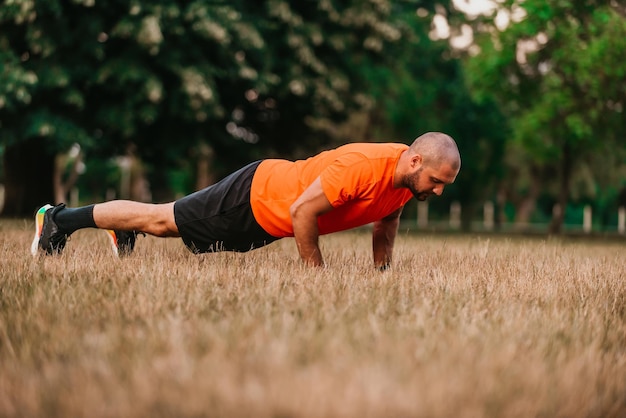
(306, 235)
(383, 239)
(304, 213)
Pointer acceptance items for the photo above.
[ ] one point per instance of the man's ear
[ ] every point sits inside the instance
(416, 161)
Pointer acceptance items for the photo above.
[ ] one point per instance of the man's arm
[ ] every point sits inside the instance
(304, 213)
(383, 237)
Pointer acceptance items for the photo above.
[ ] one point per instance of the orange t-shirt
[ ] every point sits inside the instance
(357, 179)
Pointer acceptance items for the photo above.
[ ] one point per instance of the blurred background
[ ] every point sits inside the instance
(106, 99)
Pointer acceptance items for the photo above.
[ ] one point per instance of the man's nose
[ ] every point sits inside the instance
(438, 190)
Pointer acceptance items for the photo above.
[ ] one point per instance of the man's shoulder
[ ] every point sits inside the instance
(376, 150)
(372, 150)
(374, 146)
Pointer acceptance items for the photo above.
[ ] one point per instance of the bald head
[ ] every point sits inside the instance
(437, 148)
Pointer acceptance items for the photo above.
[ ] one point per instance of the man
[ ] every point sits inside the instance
(352, 185)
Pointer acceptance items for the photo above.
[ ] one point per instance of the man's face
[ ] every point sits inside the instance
(426, 181)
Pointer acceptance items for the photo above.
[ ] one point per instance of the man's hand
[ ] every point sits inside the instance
(383, 237)
(304, 213)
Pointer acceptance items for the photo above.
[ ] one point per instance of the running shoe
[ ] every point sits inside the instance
(123, 242)
(48, 237)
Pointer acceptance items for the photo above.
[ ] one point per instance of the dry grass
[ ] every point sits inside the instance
(462, 326)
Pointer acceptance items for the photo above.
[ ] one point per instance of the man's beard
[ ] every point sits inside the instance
(410, 181)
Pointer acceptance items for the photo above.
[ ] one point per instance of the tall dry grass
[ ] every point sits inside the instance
(460, 327)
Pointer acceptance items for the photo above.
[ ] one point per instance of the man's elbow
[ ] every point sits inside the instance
(388, 222)
(394, 216)
(294, 211)
(299, 214)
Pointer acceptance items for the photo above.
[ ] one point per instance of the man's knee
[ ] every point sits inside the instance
(162, 222)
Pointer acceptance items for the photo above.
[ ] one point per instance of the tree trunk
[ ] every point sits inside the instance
(63, 187)
(28, 172)
(500, 217)
(566, 172)
(467, 215)
(525, 207)
(204, 173)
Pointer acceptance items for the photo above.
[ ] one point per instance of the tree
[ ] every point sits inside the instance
(423, 89)
(244, 77)
(558, 74)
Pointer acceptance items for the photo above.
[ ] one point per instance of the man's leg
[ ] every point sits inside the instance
(122, 219)
(126, 215)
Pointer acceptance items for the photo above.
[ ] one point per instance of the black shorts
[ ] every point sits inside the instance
(219, 217)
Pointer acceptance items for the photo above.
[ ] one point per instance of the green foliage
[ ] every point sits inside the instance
(422, 90)
(558, 74)
(168, 75)
(567, 86)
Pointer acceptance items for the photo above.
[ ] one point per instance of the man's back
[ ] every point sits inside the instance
(356, 178)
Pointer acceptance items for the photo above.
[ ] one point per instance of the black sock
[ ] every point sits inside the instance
(70, 219)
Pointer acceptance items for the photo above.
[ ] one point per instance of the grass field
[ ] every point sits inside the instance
(462, 326)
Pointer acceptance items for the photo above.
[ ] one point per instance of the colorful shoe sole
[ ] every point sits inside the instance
(34, 247)
(113, 239)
